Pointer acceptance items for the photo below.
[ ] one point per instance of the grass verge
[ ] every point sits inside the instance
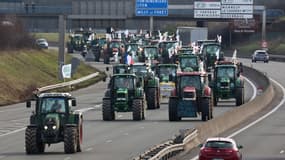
(25, 70)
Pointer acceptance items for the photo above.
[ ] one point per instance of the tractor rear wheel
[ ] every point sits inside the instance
(79, 137)
(173, 110)
(33, 146)
(205, 109)
(239, 96)
(108, 111)
(151, 98)
(70, 140)
(138, 109)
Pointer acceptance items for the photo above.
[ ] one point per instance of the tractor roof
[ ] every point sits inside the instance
(54, 94)
(189, 73)
(167, 65)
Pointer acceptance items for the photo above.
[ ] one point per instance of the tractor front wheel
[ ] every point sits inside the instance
(108, 111)
(151, 98)
(138, 109)
(33, 146)
(239, 96)
(70, 140)
(205, 109)
(173, 110)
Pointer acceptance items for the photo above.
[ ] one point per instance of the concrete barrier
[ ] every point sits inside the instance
(237, 115)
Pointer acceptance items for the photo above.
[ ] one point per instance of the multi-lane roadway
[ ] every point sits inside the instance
(121, 139)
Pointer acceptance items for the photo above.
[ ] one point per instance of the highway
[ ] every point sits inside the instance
(121, 139)
(262, 139)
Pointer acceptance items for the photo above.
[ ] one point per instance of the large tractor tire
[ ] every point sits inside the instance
(32, 144)
(70, 140)
(205, 109)
(151, 98)
(173, 110)
(108, 111)
(239, 96)
(158, 97)
(138, 109)
(79, 136)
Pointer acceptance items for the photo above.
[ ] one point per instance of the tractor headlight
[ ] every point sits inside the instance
(45, 127)
(53, 127)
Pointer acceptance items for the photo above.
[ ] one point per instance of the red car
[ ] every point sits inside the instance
(220, 149)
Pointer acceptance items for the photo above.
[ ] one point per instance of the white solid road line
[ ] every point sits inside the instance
(253, 87)
(261, 118)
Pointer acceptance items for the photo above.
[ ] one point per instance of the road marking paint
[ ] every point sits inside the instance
(15, 131)
(89, 149)
(67, 158)
(261, 118)
(281, 152)
(253, 87)
(109, 141)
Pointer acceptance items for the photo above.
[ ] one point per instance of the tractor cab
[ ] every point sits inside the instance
(189, 63)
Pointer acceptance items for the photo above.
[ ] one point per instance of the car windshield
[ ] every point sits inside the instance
(225, 72)
(261, 53)
(124, 82)
(191, 81)
(41, 40)
(51, 105)
(121, 69)
(219, 144)
(188, 62)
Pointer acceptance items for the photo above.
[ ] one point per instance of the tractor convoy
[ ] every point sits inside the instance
(144, 72)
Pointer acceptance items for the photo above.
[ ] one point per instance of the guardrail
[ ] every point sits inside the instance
(215, 126)
(66, 84)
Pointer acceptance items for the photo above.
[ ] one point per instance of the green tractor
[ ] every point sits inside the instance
(53, 121)
(191, 97)
(75, 43)
(151, 84)
(119, 68)
(210, 53)
(189, 63)
(166, 74)
(227, 83)
(124, 94)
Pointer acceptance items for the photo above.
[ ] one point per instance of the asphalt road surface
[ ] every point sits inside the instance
(264, 140)
(121, 139)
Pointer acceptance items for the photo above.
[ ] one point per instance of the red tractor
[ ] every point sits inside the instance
(191, 97)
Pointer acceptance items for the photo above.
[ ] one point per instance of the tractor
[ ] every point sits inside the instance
(166, 74)
(167, 51)
(135, 50)
(210, 53)
(191, 97)
(151, 54)
(114, 49)
(227, 83)
(52, 122)
(119, 68)
(124, 94)
(189, 62)
(80, 41)
(151, 84)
